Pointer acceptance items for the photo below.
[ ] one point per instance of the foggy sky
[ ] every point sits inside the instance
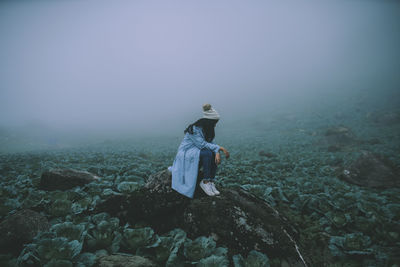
(141, 64)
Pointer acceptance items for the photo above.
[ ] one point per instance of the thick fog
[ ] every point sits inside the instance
(138, 67)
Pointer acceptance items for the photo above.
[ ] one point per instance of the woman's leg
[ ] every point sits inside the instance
(213, 169)
(206, 160)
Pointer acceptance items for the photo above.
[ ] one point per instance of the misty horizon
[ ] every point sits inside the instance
(144, 67)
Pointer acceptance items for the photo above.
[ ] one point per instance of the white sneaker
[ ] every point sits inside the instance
(216, 192)
(207, 188)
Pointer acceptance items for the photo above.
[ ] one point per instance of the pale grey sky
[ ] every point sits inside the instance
(111, 64)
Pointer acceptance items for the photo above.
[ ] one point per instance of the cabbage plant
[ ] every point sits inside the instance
(128, 187)
(103, 233)
(254, 259)
(134, 239)
(49, 249)
(166, 252)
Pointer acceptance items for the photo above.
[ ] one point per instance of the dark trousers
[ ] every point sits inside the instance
(207, 161)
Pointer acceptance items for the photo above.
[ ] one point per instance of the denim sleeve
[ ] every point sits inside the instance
(199, 142)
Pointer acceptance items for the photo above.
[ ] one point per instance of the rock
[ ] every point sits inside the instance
(156, 182)
(235, 219)
(125, 260)
(371, 170)
(19, 229)
(63, 179)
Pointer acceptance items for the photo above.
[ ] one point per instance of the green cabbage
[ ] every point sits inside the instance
(46, 248)
(214, 261)
(128, 187)
(60, 208)
(70, 231)
(103, 233)
(198, 249)
(254, 259)
(139, 238)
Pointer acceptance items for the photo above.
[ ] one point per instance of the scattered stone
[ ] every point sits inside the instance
(63, 179)
(20, 228)
(371, 170)
(123, 260)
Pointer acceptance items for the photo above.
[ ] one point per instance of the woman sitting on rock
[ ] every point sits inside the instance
(198, 149)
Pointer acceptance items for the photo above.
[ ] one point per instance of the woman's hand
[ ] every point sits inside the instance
(217, 158)
(225, 152)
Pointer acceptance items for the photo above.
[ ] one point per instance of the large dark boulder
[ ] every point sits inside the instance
(119, 260)
(371, 170)
(235, 219)
(63, 179)
(20, 228)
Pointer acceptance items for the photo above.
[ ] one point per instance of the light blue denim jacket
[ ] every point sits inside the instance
(185, 167)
